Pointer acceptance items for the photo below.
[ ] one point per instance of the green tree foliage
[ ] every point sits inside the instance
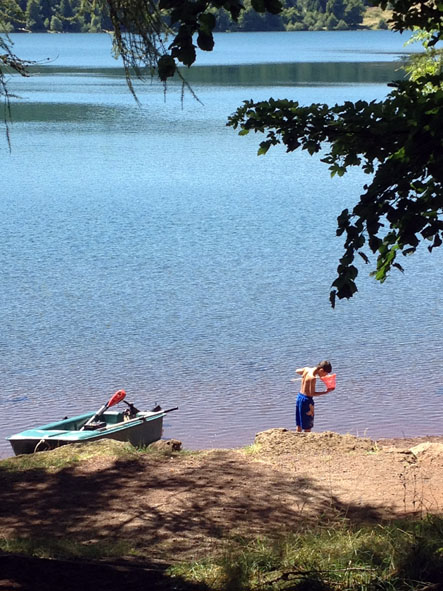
(93, 15)
(353, 13)
(56, 24)
(323, 14)
(38, 15)
(428, 63)
(10, 13)
(251, 20)
(46, 9)
(398, 142)
(34, 20)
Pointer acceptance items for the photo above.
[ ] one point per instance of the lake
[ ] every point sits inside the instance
(147, 247)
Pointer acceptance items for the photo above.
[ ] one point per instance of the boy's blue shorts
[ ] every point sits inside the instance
(304, 411)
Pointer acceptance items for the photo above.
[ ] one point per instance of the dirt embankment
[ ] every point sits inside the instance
(184, 506)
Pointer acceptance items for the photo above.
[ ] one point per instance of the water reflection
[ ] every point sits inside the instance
(297, 73)
(280, 74)
(42, 112)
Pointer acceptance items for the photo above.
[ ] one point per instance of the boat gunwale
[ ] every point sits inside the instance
(44, 432)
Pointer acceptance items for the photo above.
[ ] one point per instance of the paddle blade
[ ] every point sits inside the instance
(116, 398)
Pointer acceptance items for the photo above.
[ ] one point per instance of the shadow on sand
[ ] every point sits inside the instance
(168, 508)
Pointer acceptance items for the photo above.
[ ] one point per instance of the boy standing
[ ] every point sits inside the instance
(304, 407)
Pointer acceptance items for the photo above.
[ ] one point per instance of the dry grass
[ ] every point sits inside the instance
(373, 15)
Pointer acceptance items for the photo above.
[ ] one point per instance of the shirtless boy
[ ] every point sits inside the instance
(304, 407)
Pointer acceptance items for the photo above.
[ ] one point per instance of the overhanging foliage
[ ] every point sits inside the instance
(398, 141)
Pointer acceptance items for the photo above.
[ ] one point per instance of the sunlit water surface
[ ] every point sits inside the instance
(147, 247)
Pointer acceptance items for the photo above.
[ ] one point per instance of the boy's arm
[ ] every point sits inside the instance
(321, 393)
(300, 371)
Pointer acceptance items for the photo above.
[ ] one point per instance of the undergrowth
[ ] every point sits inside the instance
(401, 556)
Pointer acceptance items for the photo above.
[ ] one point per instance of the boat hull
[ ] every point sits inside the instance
(140, 431)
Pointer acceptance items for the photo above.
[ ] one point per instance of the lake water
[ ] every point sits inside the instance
(147, 247)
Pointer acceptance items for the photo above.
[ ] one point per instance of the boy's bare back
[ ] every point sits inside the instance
(308, 380)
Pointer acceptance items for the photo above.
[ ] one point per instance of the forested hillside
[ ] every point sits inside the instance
(69, 16)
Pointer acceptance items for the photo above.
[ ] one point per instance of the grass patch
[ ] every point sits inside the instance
(252, 449)
(66, 548)
(405, 555)
(65, 456)
(69, 455)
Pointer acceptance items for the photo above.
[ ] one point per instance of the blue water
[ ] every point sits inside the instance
(149, 248)
(86, 50)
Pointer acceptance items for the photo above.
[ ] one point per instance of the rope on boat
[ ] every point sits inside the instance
(39, 443)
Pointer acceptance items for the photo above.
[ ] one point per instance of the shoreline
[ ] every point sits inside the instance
(396, 441)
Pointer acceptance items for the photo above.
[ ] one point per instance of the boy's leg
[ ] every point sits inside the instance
(309, 418)
(298, 415)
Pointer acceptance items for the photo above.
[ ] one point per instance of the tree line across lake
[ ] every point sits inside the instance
(92, 16)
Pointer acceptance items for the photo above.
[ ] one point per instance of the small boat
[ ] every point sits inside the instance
(140, 428)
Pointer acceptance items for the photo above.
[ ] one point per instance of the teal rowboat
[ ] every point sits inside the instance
(137, 427)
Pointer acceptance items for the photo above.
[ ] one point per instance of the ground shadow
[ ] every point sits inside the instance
(36, 574)
(156, 498)
(167, 508)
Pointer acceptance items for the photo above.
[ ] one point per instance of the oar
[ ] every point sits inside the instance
(115, 399)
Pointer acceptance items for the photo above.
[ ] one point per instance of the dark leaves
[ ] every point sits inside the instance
(205, 41)
(272, 6)
(207, 23)
(399, 141)
(258, 5)
(410, 14)
(195, 18)
(166, 67)
(182, 48)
